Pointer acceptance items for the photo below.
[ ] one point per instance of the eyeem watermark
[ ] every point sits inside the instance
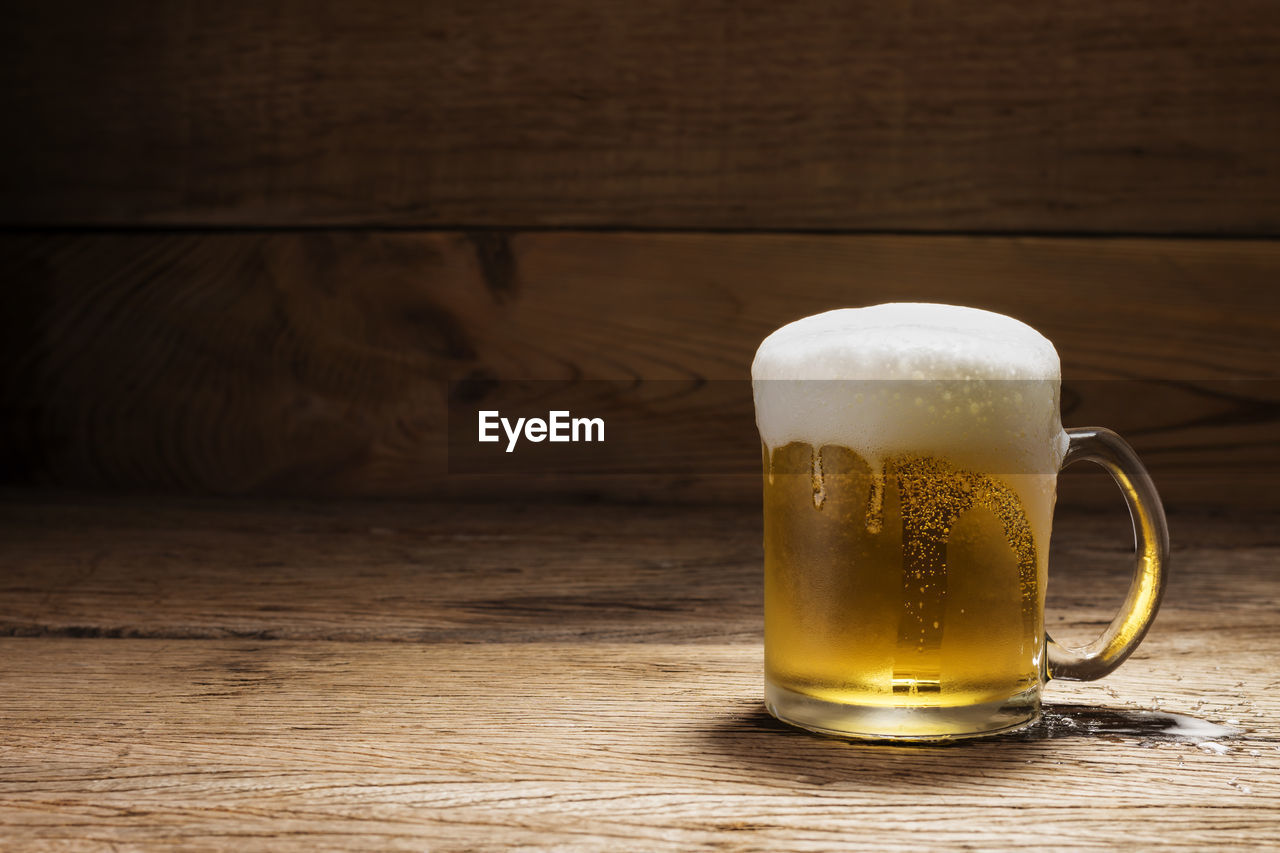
(559, 426)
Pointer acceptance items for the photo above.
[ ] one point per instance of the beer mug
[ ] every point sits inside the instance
(911, 454)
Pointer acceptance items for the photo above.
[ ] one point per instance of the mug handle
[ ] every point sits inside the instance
(1151, 540)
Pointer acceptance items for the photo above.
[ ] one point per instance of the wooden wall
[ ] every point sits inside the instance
(1096, 116)
(248, 246)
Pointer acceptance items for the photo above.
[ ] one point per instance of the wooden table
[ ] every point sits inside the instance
(217, 675)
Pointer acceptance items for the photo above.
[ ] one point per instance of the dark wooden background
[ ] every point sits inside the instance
(247, 246)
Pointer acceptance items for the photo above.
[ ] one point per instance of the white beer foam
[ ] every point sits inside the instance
(917, 378)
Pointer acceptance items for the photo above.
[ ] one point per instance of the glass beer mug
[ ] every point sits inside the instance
(911, 454)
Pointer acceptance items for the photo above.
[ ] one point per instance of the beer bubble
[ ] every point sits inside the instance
(898, 359)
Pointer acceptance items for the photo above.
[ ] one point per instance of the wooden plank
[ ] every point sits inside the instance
(515, 572)
(317, 363)
(278, 745)
(575, 677)
(1099, 116)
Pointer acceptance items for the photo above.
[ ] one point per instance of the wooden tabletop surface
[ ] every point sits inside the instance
(218, 675)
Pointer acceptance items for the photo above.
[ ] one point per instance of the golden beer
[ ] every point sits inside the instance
(911, 454)
(920, 585)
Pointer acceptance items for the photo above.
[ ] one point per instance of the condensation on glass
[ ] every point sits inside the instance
(911, 454)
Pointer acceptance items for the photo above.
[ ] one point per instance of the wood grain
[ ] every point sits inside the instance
(212, 744)
(318, 363)
(498, 572)
(579, 677)
(1099, 116)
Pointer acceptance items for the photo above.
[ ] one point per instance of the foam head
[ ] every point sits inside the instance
(973, 386)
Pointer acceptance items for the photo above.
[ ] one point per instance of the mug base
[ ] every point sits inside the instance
(901, 722)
